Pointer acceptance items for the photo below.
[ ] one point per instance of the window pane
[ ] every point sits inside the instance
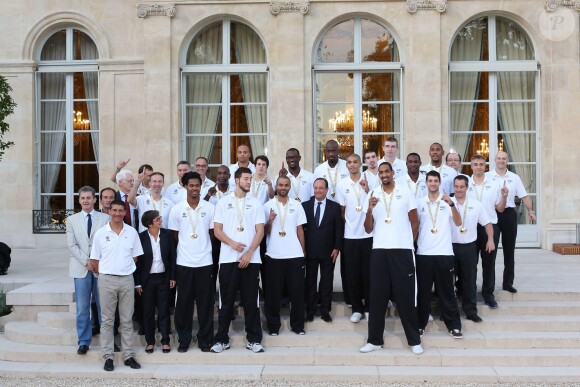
(469, 86)
(375, 142)
(380, 87)
(334, 87)
(85, 174)
(203, 119)
(206, 46)
(512, 41)
(520, 147)
(257, 145)
(52, 86)
(83, 47)
(516, 116)
(246, 45)
(468, 145)
(248, 119)
(345, 146)
(209, 147)
(55, 47)
(468, 116)
(470, 44)
(53, 202)
(380, 118)
(203, 88)
(337, 45)
(84, 145)
(53, 179)
(377, 45)
(52, 116)
(248, 88)
(512, 85)
(333, 118)
(52, 146)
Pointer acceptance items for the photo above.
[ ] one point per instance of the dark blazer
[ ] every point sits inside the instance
(119, 196)
(144, 262)
(321, 240)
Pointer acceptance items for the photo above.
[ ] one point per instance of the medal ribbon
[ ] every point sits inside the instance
(282, 214)
(192, 222)
(388, 204)
(296, 188)
(333, 181)
(242, 211)
(433, 219)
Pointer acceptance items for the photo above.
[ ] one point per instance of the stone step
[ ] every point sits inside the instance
(436, 336)
(52, 293)
(315, 356)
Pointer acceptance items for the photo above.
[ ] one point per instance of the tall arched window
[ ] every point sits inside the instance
(493, 106)
(67, 118)
(357, 87)
(224, 93)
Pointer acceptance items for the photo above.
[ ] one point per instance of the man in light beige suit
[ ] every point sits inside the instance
(80, 230)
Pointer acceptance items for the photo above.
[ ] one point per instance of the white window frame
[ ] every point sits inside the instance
(69, 67)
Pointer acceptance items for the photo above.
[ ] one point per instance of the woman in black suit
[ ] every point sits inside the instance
(154, 276)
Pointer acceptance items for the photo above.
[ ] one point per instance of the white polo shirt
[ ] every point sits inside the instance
(205, 186)
(447, 176)
(303, 184)
(513, 183)
(472, 213)
(114, 252)
(219, 194)
(227, 212)
(332, 175)
(434, 243)
(259, 190)
(399, 167)
(418, 189)
(287, 246)
(176, 193)
(193, 252)
(351, 195)
(397, 234)
(234, 167)
(488, 193)
(146, 203)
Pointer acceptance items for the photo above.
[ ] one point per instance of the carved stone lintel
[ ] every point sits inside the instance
(552, 5)
(289, 6)
(415, 5)
(144, 10)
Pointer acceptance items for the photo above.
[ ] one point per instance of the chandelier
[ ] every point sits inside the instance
(343, 122)
(80, 124)
(484, 148)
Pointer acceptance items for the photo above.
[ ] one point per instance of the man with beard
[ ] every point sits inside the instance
(300, 179)
(447, 174)
(222, 188)
(243, 155)
(414, 180)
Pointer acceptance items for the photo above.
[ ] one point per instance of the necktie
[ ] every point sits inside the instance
(127, 211)
(317, 214)
(89, 225)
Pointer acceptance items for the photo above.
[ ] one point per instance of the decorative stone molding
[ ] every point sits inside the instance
(552, 5)
(415, 5)
(144, 10)
(289, 6)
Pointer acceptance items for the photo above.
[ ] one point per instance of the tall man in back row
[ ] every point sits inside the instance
(507, 220)
(390, 150)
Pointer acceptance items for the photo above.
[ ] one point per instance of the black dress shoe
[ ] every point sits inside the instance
(309, 317)
(475, 318)
(492, 304)
(149, 350)
(83, 349)
(510, 289)
(326, 317)
(182, 348)
(96, 331)
(116, 348)
(109, 365)
(141, 331)
(165, 348)
(131, 362)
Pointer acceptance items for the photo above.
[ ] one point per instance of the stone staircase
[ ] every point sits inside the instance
(532, 337)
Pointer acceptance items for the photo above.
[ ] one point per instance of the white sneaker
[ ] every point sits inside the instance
(219, 347)
(430, 317)
(417, 349)
(255, 347)
(356, 316)
(367, 315)
(368, 347)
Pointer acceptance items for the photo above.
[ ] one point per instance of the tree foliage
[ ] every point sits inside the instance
(7, 106)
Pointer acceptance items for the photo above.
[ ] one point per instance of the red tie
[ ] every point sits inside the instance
(127, 211)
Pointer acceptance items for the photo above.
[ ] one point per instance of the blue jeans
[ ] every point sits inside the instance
(84, 288)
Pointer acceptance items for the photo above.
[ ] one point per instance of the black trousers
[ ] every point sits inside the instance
(487, 261)
(216, 246)
(437, 269)
(282, 273)
(466, 269)
(156, 295)
(507, 222)
(343, 278)
(263, 268)
(194, 284)
(323, 288)
(247, 280)
(357, 257)
(392, 277)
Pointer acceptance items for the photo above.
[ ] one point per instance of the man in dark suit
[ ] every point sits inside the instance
(324, 231)
(154, 276)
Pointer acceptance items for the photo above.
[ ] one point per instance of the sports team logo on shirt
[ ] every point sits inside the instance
(230, 206)
(343, 175)
(175, 191)
(183, 215)
(203, 214)
(347, 190)
(398, 197)
(292, 210)
(107, 239)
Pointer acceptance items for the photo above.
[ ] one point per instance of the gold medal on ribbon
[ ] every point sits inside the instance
(333, 194)
(463, 230)
(358, 208)
(298, 199)
(388, 220)
(194, 236)
(433, 218)
(434, 230)
(240, 228)
(282, 234)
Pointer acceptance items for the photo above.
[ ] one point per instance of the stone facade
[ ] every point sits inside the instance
(140, 46)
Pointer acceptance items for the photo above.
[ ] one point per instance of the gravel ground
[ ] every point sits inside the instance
(95, 382)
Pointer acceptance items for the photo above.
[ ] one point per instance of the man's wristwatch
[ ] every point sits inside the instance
(452, 204)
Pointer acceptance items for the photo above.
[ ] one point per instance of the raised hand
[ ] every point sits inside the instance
(283, 171)
(505, 190)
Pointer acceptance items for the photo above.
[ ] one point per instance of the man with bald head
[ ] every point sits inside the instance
(507, 220)
(243, 155)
